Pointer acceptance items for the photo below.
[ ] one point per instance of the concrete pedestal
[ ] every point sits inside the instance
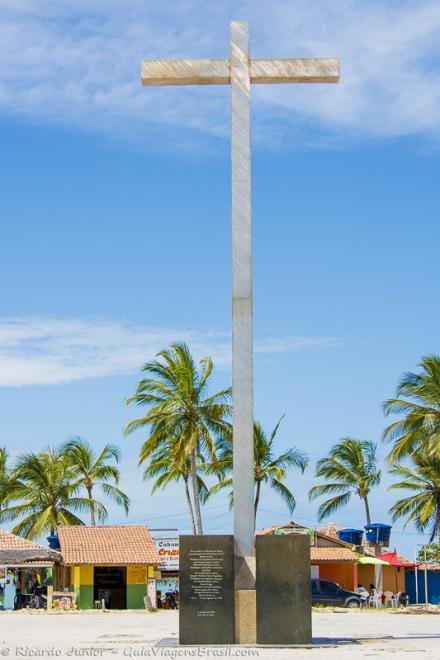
(246, 616)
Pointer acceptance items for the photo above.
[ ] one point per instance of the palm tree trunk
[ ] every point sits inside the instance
(367, 510)
(196, 497)
(92, 509)
(257, 499)
(190, 507)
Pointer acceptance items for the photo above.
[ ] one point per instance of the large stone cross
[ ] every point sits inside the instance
(240, 71)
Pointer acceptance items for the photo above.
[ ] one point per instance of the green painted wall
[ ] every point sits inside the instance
(135, 596)
(86, 597)
(83, 577)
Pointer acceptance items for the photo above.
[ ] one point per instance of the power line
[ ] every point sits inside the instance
(167, 515)
(211, 519)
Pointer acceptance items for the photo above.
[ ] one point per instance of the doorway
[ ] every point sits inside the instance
(110, 585)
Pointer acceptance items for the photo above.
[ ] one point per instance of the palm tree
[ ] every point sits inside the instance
(95, 470)
(418, 400)
(9, 481)
(180, 407)
(47, 496)
(351, 468)
(423, 505)
(268, 468)
(164, 470)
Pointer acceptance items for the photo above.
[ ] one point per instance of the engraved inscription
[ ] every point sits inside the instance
(206, 575)
(206, 590)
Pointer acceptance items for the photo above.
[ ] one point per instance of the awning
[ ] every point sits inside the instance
(393, 559)
(373, 560)
(30, 558)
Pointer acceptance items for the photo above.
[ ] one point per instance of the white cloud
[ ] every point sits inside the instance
(39, 351)
(77, 63)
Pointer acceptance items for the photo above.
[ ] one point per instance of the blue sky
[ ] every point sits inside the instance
(115, 211)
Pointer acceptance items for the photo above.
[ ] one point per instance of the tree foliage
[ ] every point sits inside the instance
(97, 470)
(183, 417)
(268, 467)
(47, 495)
(418, 403)
(350, 469)
(422, 506)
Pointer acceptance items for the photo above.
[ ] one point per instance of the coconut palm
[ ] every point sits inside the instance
(350, 469)
(9, 481)
(180, 407)
(422, 507)
(418, 400)
(47, 496)
(268, 468)
(164, 470)
(95, 470)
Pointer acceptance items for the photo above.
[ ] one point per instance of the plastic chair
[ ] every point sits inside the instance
(376, 598)
(396, 599)
(390, 599)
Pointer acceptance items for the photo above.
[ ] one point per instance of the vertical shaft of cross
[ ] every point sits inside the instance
(242, 339)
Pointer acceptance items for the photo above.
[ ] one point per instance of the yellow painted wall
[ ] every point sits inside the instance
(343, 574)
(87, 575)
(76, 575)
(137, 576)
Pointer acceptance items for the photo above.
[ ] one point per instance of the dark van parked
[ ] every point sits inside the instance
(331, 593)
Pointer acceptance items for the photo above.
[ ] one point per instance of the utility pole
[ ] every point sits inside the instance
(426, 577)
(417, 578)
(425, 551)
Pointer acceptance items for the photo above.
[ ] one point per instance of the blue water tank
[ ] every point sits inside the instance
(378, 533)
(349, 535)
(53, 541)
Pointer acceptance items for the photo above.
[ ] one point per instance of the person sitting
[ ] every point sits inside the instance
(403, 599)
(363, 593)
(170, 600)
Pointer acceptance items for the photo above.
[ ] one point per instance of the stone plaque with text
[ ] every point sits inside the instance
(206, 590)
(284, 592)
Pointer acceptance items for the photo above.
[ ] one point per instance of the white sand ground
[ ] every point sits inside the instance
(136, 634)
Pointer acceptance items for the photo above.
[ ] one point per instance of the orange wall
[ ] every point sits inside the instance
(389, 579)
(343, 574)
(366, 577)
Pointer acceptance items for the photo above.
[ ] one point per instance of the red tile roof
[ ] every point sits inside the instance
(329, 554)
(17, 551)
(107, 545)
(287, 526)
(292, 526)
(330, 530)
(435, 566)
(10, 541)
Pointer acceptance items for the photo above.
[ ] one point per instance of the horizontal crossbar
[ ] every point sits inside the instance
(217, 72)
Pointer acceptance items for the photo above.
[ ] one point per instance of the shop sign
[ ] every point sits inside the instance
(168, 550)
(136, 575)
